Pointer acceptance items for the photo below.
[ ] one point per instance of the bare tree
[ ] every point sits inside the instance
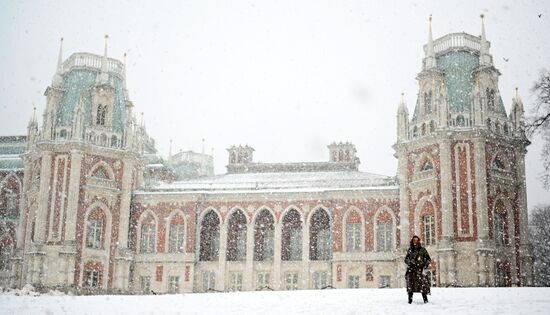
(539, 122)
(540, 238)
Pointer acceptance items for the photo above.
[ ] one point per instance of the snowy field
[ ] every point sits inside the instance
(349, 301)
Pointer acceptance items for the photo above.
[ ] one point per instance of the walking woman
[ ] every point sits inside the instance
(417, 260)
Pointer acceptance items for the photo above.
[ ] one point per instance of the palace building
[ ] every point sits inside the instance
(86, 202)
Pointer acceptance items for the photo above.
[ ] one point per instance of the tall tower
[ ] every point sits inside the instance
(79, 174)
(461, 167)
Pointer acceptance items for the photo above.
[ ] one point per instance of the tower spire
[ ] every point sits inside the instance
(124, 89)
(485, 58)
(60, 56)
(57, 79)
(430, 53)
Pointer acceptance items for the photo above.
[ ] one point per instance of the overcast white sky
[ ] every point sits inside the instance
(286, 77)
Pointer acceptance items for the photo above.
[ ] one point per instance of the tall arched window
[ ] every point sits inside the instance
(428, 102)
(176, 234)
(384, 232)
(353, 232)
(101, 114)
(264, 236)
(210, 237)
(423, 129)
(291, 243)
(236, 237)
(148, 235)
(429, 230)
(94, 229)
(501, 224)
(432, 126)
(320, 243)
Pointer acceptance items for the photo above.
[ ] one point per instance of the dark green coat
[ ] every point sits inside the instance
(417, 260)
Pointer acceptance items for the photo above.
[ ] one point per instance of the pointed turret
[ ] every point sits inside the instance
(402, 120)
(104, 74)
(430, 52)
(517, 112)
(484, 57)
(57, 80)
(32, 128)
(124, 89)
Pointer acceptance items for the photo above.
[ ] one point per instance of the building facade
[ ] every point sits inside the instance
(86, 203)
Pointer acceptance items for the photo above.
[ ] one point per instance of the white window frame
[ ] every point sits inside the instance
(95, 233)
(235, 281)
(174, 284)
(353, 237)
(145, 284)
(263, 280)
(176, 238)
(353, 281)
(384, 243)
(208, 281)
(148, 238)
(291, 280)
(429, 230)
(91, 279)
(384, 281)
(321, 279)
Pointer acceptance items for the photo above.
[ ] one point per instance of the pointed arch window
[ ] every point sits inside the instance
(498, 164)
(210, 237)
(320, 243)
(291, 243)
(427, 166)
(264, 239)
(148, 236)
(236, 237)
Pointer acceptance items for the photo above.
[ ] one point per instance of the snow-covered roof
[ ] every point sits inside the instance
(281, 181)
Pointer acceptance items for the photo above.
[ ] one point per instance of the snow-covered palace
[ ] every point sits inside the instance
(86, 203)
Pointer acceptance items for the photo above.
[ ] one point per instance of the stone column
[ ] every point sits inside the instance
(220, 275)
(526, 263)
(305, 256)
(403, 199)
(248, 277)
(276, 279)
(73, 197)
(446, 246)
(125, 203)
(22, 225)
(123, 255)
(482, 211)
(43, 197)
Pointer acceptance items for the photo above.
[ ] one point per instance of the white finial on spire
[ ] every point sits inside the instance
(57, 79)
(430, 53)
(202, 150)
(169, 150)
(60, 56)
(104, 75)
(484, 57)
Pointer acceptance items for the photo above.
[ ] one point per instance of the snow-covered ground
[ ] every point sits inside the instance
(353, 301)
